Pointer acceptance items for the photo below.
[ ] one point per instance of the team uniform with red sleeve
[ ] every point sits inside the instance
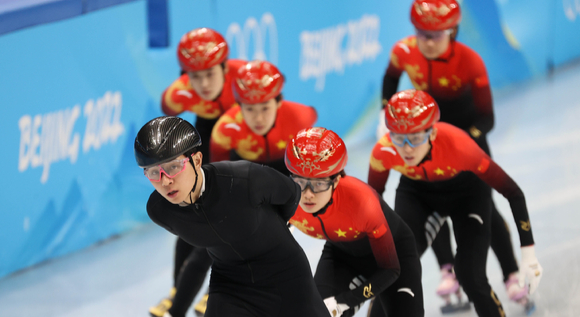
(458, 81)
(361, 232)
(180, 97)
(454, 179)
(232, 139)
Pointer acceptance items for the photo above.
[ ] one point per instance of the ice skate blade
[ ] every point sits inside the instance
(530, 308)
(454, 308)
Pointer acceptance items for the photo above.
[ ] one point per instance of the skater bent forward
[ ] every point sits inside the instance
(444, 170)
(238, 211)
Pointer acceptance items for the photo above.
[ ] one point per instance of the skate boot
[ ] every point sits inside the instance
(201, 306)
(163, 306)
(449, 286)
(519, 294)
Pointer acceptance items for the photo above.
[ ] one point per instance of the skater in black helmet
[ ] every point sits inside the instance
(205, 89)
(238, 211)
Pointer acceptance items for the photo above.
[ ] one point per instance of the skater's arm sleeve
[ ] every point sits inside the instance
(482, 100)
(269, 186)
(178, 97)
(387, 273)
(371, 217)
(499, 180)
(399, 53)
(154, 210)
(390, 84)
(220, 143)
(379, 169)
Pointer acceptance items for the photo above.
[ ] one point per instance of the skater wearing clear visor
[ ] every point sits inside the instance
(444, 170)
(369, 251)
(238, 211)
(456, 77)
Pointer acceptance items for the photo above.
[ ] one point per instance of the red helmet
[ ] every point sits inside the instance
(411, 111)
(201, 49)
(316, 153)
(257, 82)
(435, 15)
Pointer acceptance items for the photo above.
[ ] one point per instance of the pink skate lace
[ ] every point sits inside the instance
(515, 292)
(449, 284)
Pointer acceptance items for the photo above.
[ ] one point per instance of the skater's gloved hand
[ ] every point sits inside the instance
(335, 308)
(530, 269)
(382, 127)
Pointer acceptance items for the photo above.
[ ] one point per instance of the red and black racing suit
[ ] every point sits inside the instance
(454, 179)
(369, 251)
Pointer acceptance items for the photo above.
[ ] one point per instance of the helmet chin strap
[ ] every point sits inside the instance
(194, 184)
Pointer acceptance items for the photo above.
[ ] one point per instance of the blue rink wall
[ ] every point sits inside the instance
(75, 90)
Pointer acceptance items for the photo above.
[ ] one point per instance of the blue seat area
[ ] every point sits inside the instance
(19, 14)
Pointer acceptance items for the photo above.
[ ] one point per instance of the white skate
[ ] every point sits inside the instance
(519, 294)
(449, 286)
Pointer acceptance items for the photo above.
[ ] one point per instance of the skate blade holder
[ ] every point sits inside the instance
(530, 307)
(455, 308)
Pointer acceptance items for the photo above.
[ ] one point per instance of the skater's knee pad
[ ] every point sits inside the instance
(476, 217)
(406, 290)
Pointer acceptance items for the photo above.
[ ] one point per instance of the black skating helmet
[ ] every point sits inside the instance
(163, 139)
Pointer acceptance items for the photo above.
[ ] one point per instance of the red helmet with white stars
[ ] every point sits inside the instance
(201, 49)
(316, 153)
(257, 82)
(435, 15)
(411, 111)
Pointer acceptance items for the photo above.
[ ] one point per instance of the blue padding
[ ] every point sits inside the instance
(14, 5)
(39, 14)
(158, 23)
(17, 14)
(93, 5)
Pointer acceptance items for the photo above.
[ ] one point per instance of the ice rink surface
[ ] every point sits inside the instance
(536, 139)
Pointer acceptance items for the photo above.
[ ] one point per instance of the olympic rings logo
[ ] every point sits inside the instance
(257, 31)
(571, 9)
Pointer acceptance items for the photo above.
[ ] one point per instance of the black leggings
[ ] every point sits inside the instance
(467, 200)
(190, 268)
(501, 244)
(296, 296)
(337, 270)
